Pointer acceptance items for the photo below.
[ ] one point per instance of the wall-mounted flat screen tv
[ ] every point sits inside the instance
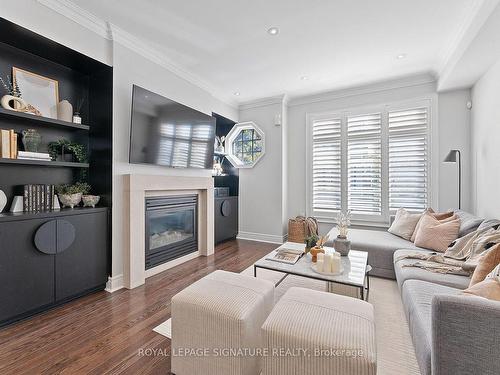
(167, 133)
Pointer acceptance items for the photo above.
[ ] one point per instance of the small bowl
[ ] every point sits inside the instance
(90, 200)
(70, 200)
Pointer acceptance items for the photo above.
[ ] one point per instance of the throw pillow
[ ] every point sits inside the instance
(468, 222)
(437, 235)
(439, 216)
(404, 224)
(487, 263)
(489, 288)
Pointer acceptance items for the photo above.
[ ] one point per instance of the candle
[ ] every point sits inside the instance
(321, 257)
(319, 265)
(335, 268)
(327, 263)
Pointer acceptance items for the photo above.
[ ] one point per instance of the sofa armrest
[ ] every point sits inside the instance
(465, 335)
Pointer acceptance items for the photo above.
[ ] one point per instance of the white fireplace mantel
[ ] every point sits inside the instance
(137, 188)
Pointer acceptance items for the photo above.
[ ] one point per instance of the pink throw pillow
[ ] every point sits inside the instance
(437, 235)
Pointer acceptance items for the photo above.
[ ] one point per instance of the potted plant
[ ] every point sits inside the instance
(342, 222)
(67, 151)
(71, 195)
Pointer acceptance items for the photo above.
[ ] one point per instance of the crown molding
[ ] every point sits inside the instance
(426, 79)
(474, 24)
(116, 34)
(279, 99)
(78, 15)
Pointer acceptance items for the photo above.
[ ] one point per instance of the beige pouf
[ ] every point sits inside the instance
(317, 333)
(216, 325)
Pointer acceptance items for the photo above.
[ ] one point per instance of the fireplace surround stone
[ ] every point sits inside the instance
(137, 188)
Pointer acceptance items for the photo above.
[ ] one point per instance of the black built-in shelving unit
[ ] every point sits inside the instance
(226, 208)
(78, 76)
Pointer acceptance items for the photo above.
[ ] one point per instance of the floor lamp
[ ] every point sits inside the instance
(454, 156)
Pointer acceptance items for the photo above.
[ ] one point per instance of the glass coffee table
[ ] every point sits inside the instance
(355, 268)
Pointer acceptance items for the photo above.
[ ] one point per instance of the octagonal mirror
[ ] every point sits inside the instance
(245, 145)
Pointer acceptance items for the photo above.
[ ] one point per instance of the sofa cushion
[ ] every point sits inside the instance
(468, 222)
(380, 246)
(404, 224)
(417, 301)
(487, 263)
(414, 273)
(435, 234)
(441, 216)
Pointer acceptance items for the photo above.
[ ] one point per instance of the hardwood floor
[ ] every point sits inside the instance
(104, 333)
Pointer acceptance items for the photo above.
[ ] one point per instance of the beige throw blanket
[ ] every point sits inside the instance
(462, 256)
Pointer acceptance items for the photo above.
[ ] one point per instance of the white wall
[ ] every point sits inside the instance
(129, 68)
(486, 143)
(454, 130)
(262, 187)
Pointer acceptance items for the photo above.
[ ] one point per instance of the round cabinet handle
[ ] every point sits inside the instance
(225, 208)
(54, 236)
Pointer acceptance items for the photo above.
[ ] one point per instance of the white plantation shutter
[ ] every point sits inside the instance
(326, 165)
(364, 164)
(408, 159)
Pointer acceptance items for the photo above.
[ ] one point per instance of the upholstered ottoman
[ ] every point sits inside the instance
(216, 325)
(318, 333)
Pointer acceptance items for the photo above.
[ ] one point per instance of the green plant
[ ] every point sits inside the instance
(11, 86)
(68, 189)
(311, 241)
(57, 148)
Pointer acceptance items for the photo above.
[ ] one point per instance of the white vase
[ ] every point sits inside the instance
(3, 200)
(65, 111)
(17, 204)
(13, 103)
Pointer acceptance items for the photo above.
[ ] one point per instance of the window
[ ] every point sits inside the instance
(408, 159)
(371, 162)
(245, 145)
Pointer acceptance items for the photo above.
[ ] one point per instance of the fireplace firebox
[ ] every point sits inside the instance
(171, 228)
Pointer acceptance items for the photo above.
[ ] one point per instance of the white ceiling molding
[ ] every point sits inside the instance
(80, 16)
(475, 48)
(426, 79)
(279, 99)
(469, 20)
(112, 32)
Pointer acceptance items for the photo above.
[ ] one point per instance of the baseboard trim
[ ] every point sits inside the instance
(114, 283)
(261, 237)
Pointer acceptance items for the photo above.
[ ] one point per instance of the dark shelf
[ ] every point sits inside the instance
(20, 116)
(12, 216)
(44, 163)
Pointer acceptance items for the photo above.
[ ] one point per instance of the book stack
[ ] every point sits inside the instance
(38, 198)
(26, 155)
(8, 144)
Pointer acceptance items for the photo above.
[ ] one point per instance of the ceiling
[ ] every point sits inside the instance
(322, 44)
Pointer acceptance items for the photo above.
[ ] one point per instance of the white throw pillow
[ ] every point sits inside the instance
(404, 224)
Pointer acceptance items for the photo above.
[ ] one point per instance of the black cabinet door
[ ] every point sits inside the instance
(82, 266)
(226, 218)
(26, 274)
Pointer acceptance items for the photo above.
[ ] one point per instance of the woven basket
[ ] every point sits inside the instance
(298, 229)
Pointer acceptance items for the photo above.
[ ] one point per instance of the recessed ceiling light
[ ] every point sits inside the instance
(273, 31)
(304, 78)
(401, 56)
(237, 93)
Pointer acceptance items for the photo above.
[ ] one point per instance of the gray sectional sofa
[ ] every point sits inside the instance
(452, 333)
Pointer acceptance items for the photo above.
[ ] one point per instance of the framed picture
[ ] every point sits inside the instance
(40, 92)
